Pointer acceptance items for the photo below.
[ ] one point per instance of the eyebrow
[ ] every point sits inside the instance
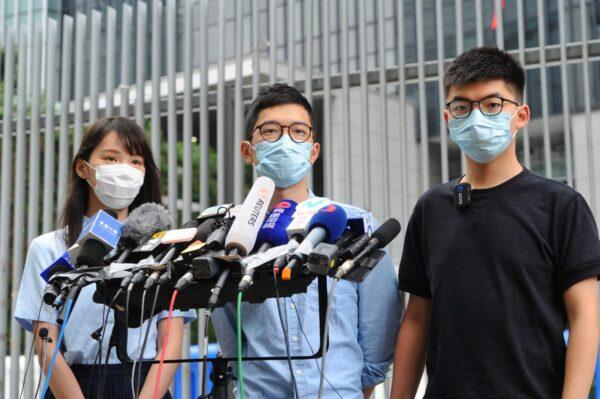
(495, 94)
(279, 122)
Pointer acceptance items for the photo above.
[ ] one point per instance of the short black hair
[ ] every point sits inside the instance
(485, 63)
(272, 96)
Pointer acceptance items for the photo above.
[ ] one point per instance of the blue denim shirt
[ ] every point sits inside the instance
(363, 325)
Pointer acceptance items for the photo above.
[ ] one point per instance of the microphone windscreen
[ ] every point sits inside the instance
(273, 229)
(205, 229)
(144, 221)
(387, 232)
(333, 219)
(250, 217)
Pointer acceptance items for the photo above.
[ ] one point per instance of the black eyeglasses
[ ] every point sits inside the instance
(272, 131)
(489, 106)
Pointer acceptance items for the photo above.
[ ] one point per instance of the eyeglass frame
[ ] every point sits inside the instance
(502, 99)
(283, 127)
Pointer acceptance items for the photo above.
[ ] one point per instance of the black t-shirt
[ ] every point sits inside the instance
(496, 272)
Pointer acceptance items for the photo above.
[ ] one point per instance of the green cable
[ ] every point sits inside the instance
(239, 345)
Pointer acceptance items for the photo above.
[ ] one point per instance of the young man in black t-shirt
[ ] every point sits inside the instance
(494, 284)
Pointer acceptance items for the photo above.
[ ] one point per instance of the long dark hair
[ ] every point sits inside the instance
(132, 136)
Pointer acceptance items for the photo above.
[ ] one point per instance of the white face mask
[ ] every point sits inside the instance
(117, 185)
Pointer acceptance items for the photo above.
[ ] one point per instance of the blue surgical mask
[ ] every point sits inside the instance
(482, 138)
(284, 161)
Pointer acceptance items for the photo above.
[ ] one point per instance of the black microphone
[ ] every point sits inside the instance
(379, 239)
(326, 256)
(141, 224)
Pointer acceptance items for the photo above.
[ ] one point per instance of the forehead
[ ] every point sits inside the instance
(479, 90)
(284, 114)
(112, 141)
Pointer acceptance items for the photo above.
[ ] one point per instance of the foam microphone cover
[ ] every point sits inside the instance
(332, 218)
(387, 232)
(273, 229)
(144, 221)
(249, 219)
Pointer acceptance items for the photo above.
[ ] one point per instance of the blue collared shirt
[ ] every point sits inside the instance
(86, 316)
(363, 325)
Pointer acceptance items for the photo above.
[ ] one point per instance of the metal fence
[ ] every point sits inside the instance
(186, 70)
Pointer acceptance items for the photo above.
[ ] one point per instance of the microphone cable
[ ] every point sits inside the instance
(239, 344)
(163, 351)
(311, 348)
(30, 355)
(207, 319)
(44, 341)
(98, 358)
(132, 380)
(325, 338)
(61, 335)
(146, 334)
(285, 335)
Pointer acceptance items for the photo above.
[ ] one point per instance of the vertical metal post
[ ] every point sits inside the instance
(383, 109)
(65, 100)
(402, 115)
(345, 133)
(18, 212)
(422, 100)
(221, 107)
(238, 170)
(500, 24)
(544, 89)
(80, 23)
(125, 58)
(255, 49)
(49, 186)
(2, 22)
(327, 130)
(439, 22)
(291, 17)
(30, 42)
(111, 31)
(364, 105)
(94, 65)
(140, 62)
(171, 108)
(460, 44)
(308, 86)
(204, 144)
(204, 116)
(587, 104)
(156, 56)
(564, 79)
(33, 213)
(5, 195)
(479, 23)
(521, 40)
(272, 41)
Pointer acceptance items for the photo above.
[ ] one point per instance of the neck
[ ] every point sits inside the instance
(298, 193)
(492, 174)
(94, 206)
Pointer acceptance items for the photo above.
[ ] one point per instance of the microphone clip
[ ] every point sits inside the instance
(462, 195)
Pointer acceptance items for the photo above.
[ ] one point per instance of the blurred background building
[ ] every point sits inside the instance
(372, 70)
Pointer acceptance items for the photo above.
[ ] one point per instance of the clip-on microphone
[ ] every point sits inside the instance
(462, 195)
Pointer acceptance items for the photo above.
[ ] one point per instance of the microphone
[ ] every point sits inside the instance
(104, 230)
(325, 256)
(379, 239)
(141, 224)
(273, 231)
(244, 230)
(327, 224)
(271, 234)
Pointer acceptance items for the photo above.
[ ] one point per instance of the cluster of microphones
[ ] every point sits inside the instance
(232, 247)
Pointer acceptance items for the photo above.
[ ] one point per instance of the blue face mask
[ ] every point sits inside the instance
(482, 138)
(284, 161)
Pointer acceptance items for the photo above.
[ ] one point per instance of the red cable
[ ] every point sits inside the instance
(164, 344)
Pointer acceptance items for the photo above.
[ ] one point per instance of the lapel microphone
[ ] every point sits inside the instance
(462, 195)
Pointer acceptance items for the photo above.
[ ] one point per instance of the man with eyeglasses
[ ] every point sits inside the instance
(281, 143)
(495, 282)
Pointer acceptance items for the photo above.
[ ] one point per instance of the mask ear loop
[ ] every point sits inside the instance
(94, 169)
(512, 136)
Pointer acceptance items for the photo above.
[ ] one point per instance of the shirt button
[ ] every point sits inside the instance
(295, 339)
(298, 372)
(292, 306)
